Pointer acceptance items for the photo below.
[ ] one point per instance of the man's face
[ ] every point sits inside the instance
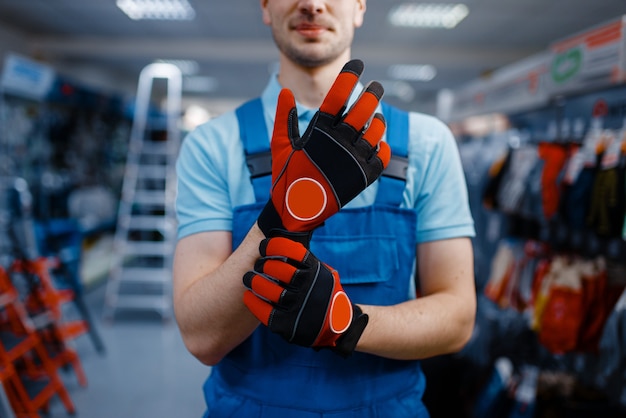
(313, 32)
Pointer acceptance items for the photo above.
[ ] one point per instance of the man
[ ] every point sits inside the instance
(260, 370)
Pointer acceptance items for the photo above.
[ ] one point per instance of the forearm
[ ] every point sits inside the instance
(208, 296)
(420, 328)
(439, 322)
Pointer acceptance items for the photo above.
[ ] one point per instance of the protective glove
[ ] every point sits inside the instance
(301, 299)
(339, 155)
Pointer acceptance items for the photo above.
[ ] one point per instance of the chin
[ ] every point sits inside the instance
(312, 56)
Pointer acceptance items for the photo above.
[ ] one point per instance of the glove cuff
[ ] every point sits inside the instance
(346, 344)
(269, 219)
(271, 225)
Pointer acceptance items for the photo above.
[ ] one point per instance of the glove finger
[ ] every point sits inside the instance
(337, 97)
(264, 287)
(282, 247)
(247, 279)
(384, 153)
(286, 131)
(362, 110)
(279, 270)
(259, 308)
(286, 125)
(374, 132)
(373, 136)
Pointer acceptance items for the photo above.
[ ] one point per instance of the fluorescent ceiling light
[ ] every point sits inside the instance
(412, 72)
(428, 15)
(157, 9)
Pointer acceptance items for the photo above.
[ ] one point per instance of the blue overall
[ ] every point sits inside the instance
(373, 249)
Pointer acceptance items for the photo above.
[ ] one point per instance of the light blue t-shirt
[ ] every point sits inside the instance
(213, 177)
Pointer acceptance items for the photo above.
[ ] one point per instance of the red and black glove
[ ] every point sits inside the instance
(301, 299)
(339, 155)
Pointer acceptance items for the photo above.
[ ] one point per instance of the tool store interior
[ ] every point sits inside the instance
(96, 98)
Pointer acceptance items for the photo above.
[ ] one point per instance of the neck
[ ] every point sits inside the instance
(310, 85)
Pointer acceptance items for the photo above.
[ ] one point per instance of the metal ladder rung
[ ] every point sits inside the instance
(143, 302)
(148, 248)
(146, 275)
(150, 223)
(154, 197)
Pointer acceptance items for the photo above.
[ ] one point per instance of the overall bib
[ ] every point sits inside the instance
(373, 249)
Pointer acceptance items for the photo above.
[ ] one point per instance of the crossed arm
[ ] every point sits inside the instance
(212, 318)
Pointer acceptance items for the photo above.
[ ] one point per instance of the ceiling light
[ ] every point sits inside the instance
(412, 72)
(157, 9)
(428, 15)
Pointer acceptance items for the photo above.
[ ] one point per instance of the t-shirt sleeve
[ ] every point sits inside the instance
(440, 190)
(203, 201)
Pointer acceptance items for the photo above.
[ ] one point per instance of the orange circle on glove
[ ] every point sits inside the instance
(340, 313)
(306, 199)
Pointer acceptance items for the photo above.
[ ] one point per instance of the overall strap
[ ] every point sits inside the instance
(393, 180)
(253, 132)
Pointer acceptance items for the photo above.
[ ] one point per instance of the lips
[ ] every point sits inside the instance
(310, 30)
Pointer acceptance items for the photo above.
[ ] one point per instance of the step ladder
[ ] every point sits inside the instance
(143, 245)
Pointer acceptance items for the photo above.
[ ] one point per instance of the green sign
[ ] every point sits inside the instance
(566, 65)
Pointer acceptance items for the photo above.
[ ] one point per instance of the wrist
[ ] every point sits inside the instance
(346, 344)
(271, 225)
(269, 219)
